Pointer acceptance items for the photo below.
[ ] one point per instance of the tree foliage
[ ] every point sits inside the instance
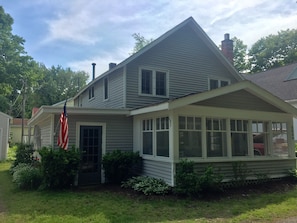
(140, 42)
(274, 51)
(23, 78)
(240, 55)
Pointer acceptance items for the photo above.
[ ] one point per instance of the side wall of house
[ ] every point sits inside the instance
(115, 93)
(250, 170)
(189, 62)
(159, 170)
(119, 130)
(45, 133)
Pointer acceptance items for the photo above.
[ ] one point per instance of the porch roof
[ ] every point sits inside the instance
(245, 85)
(45, 111)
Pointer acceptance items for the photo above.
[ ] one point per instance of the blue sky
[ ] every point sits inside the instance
(76, 33)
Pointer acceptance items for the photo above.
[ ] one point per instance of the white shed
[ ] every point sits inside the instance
(4, 135)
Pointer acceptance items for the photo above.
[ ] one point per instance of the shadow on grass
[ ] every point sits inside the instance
(103, 205)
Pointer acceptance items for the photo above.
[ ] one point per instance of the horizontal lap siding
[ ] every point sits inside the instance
(271, 168)
(45, 132)
(116, 91)
(189, 62)
(158, 170)
(119, 132)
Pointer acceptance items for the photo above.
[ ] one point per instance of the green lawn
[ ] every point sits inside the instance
(102, 206)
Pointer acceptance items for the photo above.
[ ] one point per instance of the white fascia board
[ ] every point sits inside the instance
(153, 108)
(46, 110)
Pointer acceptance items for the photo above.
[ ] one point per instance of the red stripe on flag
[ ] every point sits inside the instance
(63, 133)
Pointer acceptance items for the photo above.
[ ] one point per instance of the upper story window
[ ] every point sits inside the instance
(91, 92)
(105, 89)
(216, 83)
(153, 82)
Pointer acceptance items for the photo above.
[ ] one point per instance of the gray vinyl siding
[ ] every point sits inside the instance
(116, 93)
(240, 100)
(190, 64)
(45, 132)
(119, 132)
(158, 169)
(269, 168)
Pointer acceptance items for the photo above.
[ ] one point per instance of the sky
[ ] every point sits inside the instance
(77, 33)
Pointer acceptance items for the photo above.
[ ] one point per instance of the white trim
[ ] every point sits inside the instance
(125, 86)
(104, 86)
(154, 70)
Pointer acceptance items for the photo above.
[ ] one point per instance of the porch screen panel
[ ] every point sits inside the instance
(190, 138)
(239, 137)
(260, 137)
(216, 137)
(279, 139)
(147, 137)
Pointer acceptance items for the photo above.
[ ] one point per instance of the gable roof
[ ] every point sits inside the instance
(5, 115)
(199, 32)
(199, 98)
(281, 81)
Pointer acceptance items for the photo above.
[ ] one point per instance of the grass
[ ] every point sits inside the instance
(105, 206)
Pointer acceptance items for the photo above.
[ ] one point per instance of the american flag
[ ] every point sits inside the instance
(63, 134)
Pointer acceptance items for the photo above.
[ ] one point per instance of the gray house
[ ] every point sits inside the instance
(282, 82)
(179, 97)
(4, 135)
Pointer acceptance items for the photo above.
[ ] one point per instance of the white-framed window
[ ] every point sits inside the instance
(279, 139)
(190, 136)
(155, 137)
(216, 137)
(217, 83)
(147, 136)
(153, 82)
(260, 137)
(162, 136)
(91, 92)
(239, 137)
(105, 88)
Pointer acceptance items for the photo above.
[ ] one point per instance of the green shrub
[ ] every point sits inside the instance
(11, 153)
(26, 176)
(210, 181)
(23, 154)
(120, 166)
(147, 185)
(59, 167)
(186, 180)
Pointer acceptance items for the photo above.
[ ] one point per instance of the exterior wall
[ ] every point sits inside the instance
(119, 132)
(115, 89)
(46, 133)
(254, 169)
(159, 170)
(189, 62)
(4, 136)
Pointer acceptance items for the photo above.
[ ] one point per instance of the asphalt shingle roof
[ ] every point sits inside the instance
(281, 81)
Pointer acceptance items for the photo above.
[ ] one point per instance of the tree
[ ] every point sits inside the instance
(274, 51)
(140, 42)
(240, 55)
(23, 78)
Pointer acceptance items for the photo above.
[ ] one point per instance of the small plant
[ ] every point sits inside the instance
(59, 167)
(240, 173)
(120, 166)
(186, 180)
(147, 185)
(26, 176)
(210, 181)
